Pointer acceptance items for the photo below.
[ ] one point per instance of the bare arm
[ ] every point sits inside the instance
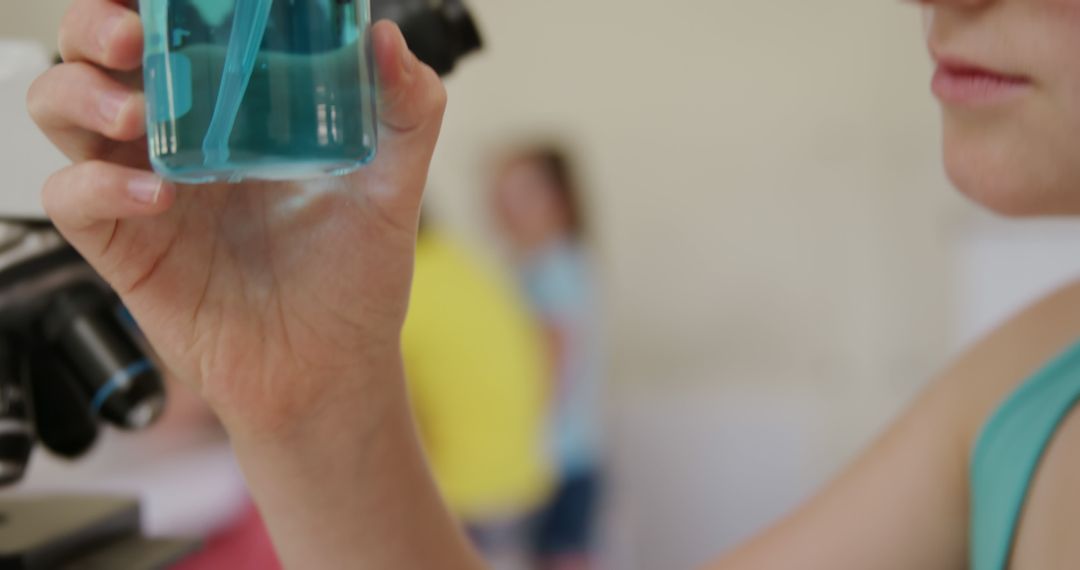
(347, 486)
(904, 503)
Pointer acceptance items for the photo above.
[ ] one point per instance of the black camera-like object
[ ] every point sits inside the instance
(439, 32)
(69, 358)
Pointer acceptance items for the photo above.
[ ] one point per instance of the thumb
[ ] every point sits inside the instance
(412, 101)
(412, 95)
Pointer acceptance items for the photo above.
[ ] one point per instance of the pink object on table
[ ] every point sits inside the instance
(243, 545)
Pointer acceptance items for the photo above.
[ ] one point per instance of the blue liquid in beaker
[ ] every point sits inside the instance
(308, 108)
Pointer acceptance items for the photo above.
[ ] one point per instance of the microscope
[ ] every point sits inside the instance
(72, 361)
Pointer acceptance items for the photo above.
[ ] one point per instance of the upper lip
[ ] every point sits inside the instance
(958, 64)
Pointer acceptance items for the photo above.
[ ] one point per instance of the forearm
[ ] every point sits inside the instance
(349, 486)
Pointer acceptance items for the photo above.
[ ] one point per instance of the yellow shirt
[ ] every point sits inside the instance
(477, 375)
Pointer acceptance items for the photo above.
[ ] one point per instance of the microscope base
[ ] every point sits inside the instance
(81, 533)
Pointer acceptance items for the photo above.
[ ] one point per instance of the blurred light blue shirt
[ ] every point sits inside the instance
(559, 283)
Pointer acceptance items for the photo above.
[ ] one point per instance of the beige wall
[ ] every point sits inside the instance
(31, 19)
(765, 176)
(775, 227)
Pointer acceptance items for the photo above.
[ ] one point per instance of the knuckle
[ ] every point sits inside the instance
(39, 96)
(35, 98)
(74, 183)
(51, 192)
(58, 81)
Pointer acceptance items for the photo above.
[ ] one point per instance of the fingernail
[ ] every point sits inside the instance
(146, 189)
(107, 29)
(112, 103)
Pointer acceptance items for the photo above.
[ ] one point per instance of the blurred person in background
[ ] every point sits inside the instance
(476, 370)
(538, 208)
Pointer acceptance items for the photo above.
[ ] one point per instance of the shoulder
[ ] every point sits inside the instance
(988, 373)
(906, 499)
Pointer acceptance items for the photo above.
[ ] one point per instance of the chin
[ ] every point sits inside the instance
(1012, 177)
(997, 194)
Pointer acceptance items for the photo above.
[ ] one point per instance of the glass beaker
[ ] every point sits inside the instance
(258, 89)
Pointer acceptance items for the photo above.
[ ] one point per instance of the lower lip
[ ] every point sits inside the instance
(974, 88)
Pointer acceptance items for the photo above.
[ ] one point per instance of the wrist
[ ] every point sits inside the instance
(315, 403)
(347, 485)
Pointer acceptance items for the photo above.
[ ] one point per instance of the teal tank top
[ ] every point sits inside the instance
(1008, 453)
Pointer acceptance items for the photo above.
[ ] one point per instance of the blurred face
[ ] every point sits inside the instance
(1008, 78)
(527, 207)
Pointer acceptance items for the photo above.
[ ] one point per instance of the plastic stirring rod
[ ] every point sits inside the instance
(250, 19)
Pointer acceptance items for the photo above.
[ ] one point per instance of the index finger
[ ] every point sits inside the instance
(107, 33)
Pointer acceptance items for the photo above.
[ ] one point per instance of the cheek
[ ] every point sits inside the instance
(1055, 45)
(503, 210)
(514, 211)
(502, 216)
(1065, 7)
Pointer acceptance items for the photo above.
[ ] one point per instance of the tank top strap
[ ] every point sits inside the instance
(1008, 453)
